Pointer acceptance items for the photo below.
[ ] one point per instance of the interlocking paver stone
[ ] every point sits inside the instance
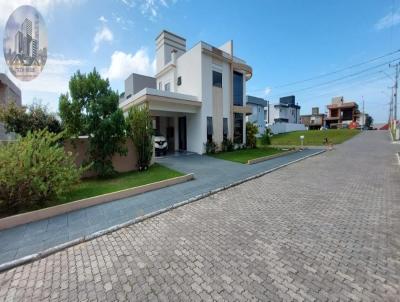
(324, 229)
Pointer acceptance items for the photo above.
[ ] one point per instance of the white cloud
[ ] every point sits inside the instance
(44, 7)
(51, 82)
(267, 91)
(123, 64)
(149, 8)
(103, 34)
(390, 20)
(103, 19)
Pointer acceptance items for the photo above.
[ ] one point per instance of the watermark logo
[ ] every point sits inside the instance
(25, 43)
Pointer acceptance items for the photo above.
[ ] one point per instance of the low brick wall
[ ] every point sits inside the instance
(122, 163)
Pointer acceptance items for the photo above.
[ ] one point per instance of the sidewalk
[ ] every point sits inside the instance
(210, 174)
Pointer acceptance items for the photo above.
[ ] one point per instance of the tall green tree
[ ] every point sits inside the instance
(140, 129)
(251, 132)
(92, 109)
(34, 117)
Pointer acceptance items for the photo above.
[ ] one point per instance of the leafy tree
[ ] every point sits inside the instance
(251, 132)
(35, 169)
(32, 118)
(265, 138)
(369, 121)
(140, 129)
(92, 109)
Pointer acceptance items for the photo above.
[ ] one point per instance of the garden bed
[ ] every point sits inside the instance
(313, 137)
(92, 187)
(245, 155)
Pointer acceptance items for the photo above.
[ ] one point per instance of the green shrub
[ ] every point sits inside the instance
(251, 132)
(211, 147)
(35, 169)
(227, 145)
(140, 129)
(265, 138)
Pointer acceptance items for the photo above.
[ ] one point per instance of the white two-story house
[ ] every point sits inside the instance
(197, 95)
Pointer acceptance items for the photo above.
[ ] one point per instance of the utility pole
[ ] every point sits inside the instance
(363, 112)
(396, 85)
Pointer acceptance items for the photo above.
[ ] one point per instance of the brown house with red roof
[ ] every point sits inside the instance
(342, 114)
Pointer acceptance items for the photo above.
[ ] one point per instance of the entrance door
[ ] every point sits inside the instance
(182, 133)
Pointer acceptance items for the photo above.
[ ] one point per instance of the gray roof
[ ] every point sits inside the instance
(256, 101)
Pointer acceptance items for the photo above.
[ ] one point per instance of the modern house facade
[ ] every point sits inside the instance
(342, 114)
(313, 121)
(258, 112)
(9, 93)
(284, 116)
(200, 93)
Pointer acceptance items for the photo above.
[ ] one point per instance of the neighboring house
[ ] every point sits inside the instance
(200, 93)
(313, 121)
(258, 112)
(9, 93)
(342, 114)
(284, 116)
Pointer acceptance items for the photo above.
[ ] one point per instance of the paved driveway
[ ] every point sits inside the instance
(327, 228)
(210, 174)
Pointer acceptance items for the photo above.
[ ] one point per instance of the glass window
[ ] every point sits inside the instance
(238, 128)
(237, 89)
(167, 87)
(209, 128)
(225, 127)
(179, 81)
(159, 85)
(217, 79)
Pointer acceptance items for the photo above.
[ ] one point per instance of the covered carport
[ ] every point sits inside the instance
(172, 114)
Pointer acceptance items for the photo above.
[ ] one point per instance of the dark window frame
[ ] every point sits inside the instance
(237, 88)
(210, 129)
(225, 127)
(238, 127)
(217, 79)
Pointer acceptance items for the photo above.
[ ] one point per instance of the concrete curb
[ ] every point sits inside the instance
(24, 218)
(268, 157)
(55, 249)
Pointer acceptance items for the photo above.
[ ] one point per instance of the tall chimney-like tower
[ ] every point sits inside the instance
(166, 43)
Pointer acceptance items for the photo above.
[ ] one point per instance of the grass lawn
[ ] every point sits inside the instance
(313, 137)
(95, 186)
(242, 156)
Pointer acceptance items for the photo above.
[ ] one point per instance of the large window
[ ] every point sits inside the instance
(238, 128)
(225, 128)
(167, 87)
(217, 79)
(237, 89)
(209, 128)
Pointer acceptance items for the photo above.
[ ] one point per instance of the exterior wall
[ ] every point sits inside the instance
(258, 117)
(289, 113)
(79, 147)
(286, 127)
(136, 82)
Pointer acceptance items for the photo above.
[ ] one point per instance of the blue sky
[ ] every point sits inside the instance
(284, 41)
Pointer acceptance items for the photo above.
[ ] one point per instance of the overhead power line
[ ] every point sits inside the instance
(332, 72)
(338, 79)
(339, 70)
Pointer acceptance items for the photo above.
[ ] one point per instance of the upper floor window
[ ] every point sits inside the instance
(237, 89)
(179, 81)
(167, 87)
(159, 85)
(217, 79)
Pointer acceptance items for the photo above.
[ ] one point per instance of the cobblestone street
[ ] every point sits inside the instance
(326, 228)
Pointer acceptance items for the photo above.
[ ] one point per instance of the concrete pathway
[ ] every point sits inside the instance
(210, 173)
(324, 229)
